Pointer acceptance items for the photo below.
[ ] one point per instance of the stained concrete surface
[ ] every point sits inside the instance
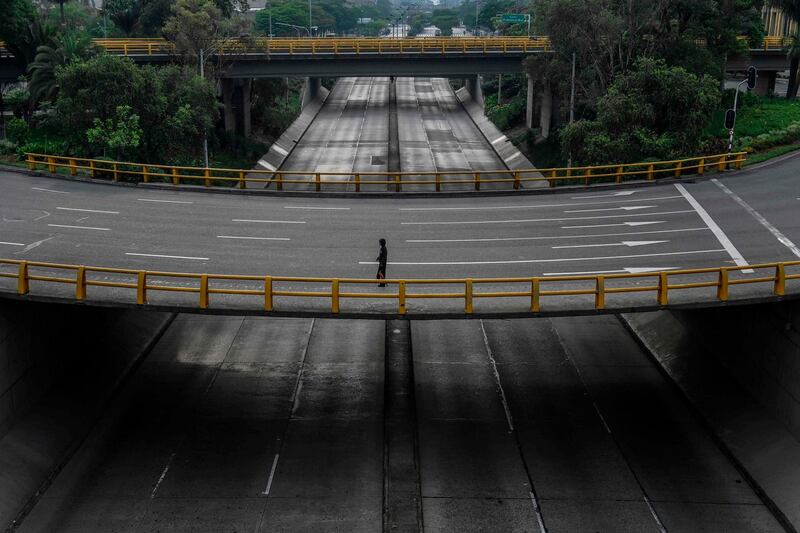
(252, 424)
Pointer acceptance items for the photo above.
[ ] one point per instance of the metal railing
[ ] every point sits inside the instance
(347, 46)
(396, 181)
(272, 290)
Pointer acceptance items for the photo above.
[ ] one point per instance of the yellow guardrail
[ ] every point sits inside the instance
(177, 175)
(272, 288)
(769, 43)
(350, 46)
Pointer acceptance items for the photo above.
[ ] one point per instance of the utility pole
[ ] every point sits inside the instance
(309, 18)
(205, 135)
(476, 17)
(269, 4)
(572, 103)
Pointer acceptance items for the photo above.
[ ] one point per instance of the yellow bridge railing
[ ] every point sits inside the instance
(273, 291)
(397, 181)
(349, 46)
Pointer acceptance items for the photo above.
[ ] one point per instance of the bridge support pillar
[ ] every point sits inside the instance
(546, 114)
(529, 104)
(473, 85)
(765, 84)
(310, 91)
(236, 101)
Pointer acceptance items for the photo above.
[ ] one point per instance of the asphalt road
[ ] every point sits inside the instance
(251, 424)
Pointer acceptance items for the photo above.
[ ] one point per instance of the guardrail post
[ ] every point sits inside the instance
(279, 180)
(80, 283)
(92, 171)
(780, 280)
(535, 294)
(242, 182)
(588, 177)
(207, 180)
(554, 175)
(204, 291)
(145, 174)
(318, 181)
(335, 296)
(723, 160)
(23, 283)
(663, 288)
(517, 182)
(722, 286)
(477, 181)
(115, 171)
(468, 297)
(600, 293)
(51, 164)
(739, 161)
(397, 183)
(678, 169)
(31, 162)
(176, 180)
(358, 182)
(268, 293)
(651, 172)
(401, 295)
(73, 169)
(438, 180)
(141, 287)
(701, 167)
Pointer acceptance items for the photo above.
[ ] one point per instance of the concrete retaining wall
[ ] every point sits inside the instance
(58, 366)
(740, 368)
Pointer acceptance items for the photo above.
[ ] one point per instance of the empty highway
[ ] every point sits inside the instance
(248, 424)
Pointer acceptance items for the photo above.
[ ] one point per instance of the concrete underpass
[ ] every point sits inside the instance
(235, 424)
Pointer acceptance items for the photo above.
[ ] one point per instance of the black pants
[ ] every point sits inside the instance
(381, 274)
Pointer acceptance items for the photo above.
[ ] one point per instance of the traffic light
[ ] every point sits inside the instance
(730, 119)
(752, 74)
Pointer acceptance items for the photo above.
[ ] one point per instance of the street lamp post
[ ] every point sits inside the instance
(309, 18)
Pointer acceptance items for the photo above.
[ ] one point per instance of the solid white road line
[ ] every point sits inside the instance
(266, 165)
(12, 243)
(254, 238)
(87, 210)
(783, 239)
(561, 219)
(644, 223)
(529, 261)
(48, 190)
(629, 270)
(629, 244)
(626, 208)
(162, 476)
(535, 206)
(551, 237)
(268, 221)
(715, 229)
(164, 201)
(312, 207)
(271, 475)
(169, 256)
(78, 227)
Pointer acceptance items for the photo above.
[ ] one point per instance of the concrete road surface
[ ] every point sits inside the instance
(250, 425)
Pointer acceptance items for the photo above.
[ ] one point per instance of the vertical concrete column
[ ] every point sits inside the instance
(246, 119)
(529, 104)
(310, 91)
(227, 100)
(546, 117)
(765, 84)
(473, 86)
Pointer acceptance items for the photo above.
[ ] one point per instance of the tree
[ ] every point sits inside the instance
(42, 72)
(119, 135)
(196, 25)
(792, 10)
(654, 110)
(125, 14)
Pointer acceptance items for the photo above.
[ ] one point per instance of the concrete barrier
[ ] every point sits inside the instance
(740, 368)
(58, 367)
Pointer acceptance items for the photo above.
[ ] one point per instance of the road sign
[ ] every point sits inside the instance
(513, 18)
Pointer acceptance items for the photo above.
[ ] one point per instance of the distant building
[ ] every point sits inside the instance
(777, 23)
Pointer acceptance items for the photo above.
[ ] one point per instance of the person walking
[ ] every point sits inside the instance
(383, 256)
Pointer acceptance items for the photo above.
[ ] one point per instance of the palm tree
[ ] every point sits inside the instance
(43, 84)
(791, 8)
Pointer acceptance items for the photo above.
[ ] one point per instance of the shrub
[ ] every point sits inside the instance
(17, 131)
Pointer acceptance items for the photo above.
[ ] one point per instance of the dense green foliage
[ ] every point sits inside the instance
(653, 110)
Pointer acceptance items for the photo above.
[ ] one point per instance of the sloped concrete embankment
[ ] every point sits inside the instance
(740, 368)
(282, 147)
(58, 367)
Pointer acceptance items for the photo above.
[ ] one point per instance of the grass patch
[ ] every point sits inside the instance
(760, 157)
(757, 116)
